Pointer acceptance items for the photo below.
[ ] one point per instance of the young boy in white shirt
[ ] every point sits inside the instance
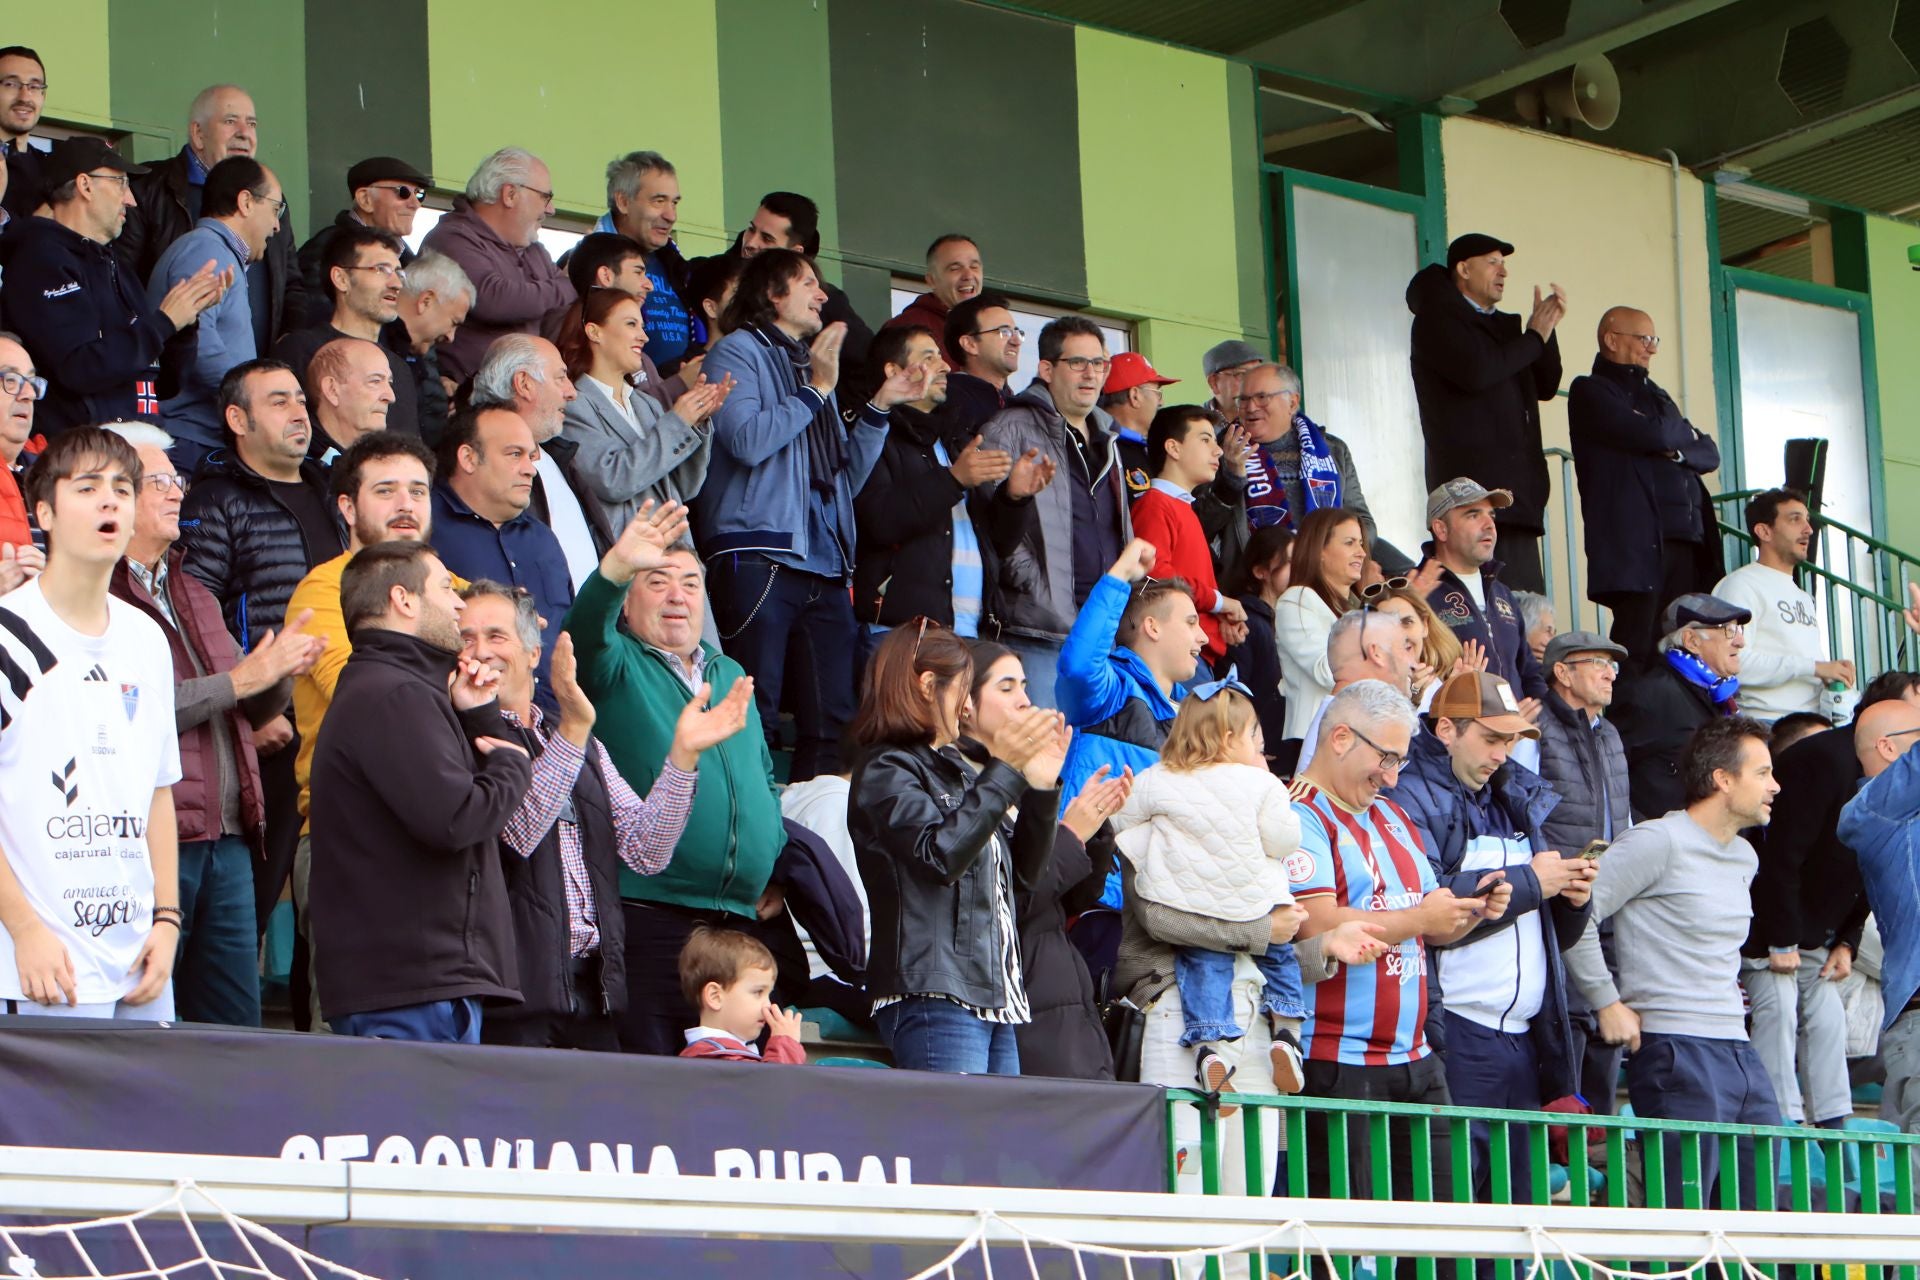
(89, 902)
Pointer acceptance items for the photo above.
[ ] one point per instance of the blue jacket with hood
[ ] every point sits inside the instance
(1118, 713)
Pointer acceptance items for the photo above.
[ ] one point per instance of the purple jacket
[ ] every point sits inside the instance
(513, 286)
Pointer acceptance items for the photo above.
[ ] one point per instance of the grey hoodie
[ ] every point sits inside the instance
(1680, 912)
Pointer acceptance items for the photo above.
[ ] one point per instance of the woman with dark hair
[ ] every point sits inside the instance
(1259, 580)
(628, 449)
(1066, 1037)
(711, 283)
(1329, 556)
(940, 850)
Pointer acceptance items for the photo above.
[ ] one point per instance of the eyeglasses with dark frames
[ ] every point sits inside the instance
(1389, 761)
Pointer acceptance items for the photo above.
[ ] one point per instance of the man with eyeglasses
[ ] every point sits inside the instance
(1293, 466)
(1649, 528)
(1480, 375)
(365, 281)
(1075, 528)
(1359, 859)
(494, 234)
(1224, 365)
(20, 557)
(1695, 682)
(220, 697)
(1809, 912)
(1882, 826)
(1504, 1031)
(23, 95)
(168, 201)
(82, 315)
(1581, 756)
(1786, 668)
(985, 341)
(385, 193)
(241, 207)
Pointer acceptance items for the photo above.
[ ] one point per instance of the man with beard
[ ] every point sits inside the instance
(1785, 664)
(364, 279)
(382, 487)
(411, 788)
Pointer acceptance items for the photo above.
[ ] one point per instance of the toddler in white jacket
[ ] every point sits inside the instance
(1207, 831)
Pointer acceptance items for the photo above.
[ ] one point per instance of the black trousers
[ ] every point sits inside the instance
(594, 1031)
(657, 1015)
(1424, 1081)
(281, 792)
(1518, 551)
(1636, 614)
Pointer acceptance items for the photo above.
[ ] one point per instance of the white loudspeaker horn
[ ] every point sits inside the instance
(1588, 91)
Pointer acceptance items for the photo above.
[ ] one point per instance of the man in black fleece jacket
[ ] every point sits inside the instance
(411, 790)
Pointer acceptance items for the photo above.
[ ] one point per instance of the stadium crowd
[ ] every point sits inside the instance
(468, 599)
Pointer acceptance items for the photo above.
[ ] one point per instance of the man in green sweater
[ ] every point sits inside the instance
(640, 677)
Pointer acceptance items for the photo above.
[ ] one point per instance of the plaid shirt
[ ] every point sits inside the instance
(646, 830)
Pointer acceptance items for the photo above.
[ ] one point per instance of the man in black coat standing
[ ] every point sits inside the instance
(1649, 528)
(411, 789)
(1479, 375)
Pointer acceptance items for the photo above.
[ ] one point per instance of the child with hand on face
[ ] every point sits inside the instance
(728, 979)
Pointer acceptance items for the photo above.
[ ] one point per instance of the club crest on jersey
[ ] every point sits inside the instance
(129, 698)
(1299, 865)
(1394, 829)
(1138, 481)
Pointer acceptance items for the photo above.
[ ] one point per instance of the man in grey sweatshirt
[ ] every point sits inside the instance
(1676, 888)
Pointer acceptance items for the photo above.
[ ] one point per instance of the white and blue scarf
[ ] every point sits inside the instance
(1271, 479)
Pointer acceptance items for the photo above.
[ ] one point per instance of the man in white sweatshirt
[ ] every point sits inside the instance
(1785, 663)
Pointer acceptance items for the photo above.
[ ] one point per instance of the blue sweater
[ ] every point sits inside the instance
(223, 335)
(758, 495)
(1119, 716)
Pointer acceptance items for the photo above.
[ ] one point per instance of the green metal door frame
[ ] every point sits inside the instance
(1281, 184)
(1728, 282)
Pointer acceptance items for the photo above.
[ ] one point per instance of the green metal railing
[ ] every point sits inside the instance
(1859, 582)
(1610, 1161)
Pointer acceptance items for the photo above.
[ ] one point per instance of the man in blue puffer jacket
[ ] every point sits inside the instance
(1504, 1035)
(1122, 669)
(775, 517)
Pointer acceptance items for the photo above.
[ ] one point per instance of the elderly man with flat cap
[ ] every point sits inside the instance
(1224, 365)
(386, 193)
(1581, 757)
(1480, 374)
(1695, 681)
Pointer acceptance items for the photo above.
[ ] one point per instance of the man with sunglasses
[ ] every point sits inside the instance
(1882, 826)
(220, 698)
(1649, 528)
(385, 194)
(240, 210)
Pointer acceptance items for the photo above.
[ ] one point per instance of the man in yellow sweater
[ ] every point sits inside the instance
(382, 485)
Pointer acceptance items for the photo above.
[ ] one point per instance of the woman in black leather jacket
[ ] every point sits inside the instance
(1066, 1037)
(940, 857)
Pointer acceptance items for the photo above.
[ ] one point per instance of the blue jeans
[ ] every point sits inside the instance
(216, 977)
(1205, 980)
(795, 634)
(1041, 659)
(442, 1022)
(928, 1033)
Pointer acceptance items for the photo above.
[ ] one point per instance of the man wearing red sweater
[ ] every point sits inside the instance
(1183, 453)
